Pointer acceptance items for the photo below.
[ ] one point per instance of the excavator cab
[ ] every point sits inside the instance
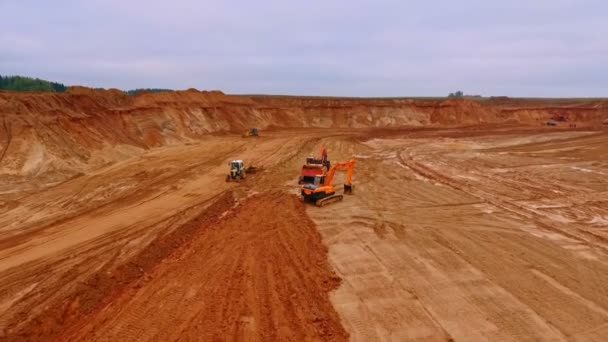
(319, 179)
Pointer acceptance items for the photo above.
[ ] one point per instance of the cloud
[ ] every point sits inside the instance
(359, 48)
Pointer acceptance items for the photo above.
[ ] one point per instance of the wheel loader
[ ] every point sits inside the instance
(254, 132)
(237, 171)
(325, 194)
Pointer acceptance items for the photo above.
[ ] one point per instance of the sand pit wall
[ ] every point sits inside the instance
(59, 136)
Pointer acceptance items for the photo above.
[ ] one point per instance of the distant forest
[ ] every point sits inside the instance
(146, 90)
(21, 83)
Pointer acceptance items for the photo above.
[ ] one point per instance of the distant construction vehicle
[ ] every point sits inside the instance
(314, 169)
(238, 171)
(325, 194)
(254, 132)
(559, 117)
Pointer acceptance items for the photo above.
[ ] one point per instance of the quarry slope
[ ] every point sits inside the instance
(48, 138)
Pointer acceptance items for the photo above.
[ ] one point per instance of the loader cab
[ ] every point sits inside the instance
(237, 171)
(236, 165)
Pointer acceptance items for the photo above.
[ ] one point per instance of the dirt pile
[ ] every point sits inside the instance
(106, 283)
(258, 274)
(64, 135)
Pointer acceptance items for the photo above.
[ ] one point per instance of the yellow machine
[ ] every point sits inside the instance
(325, 194)
(254, 132)
(237, 171)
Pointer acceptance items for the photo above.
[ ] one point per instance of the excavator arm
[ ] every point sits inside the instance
(349, 166)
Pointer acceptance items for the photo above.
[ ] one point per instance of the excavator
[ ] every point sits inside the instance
(325, 194)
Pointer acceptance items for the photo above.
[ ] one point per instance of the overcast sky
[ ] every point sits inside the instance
(354, 48)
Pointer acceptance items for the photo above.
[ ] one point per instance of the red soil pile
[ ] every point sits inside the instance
(104, 286)
(258, 274)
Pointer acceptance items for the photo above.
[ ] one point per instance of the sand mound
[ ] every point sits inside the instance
(253, 274)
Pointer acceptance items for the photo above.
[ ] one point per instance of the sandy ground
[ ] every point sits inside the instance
(463, 235)
(258, 273)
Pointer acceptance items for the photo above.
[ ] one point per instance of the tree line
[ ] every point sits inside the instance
(146, 90)
(460, 94)
(20, 83)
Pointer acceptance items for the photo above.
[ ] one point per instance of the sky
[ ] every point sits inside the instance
(534, 48)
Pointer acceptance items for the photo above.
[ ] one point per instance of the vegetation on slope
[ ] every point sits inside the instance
(20, 83)
(146, 90)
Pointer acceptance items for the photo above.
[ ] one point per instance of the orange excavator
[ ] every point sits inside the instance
(325, 194)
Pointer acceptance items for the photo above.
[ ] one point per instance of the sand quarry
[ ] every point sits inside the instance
(470, 221)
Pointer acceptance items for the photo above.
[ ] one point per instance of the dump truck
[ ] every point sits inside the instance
(313, 171)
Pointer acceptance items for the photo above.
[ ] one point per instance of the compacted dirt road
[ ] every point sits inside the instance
(485, 234)
(483, 238)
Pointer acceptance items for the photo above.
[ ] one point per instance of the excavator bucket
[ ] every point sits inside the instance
(348, 189)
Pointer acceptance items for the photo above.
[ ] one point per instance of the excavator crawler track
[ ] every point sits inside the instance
(328, 200)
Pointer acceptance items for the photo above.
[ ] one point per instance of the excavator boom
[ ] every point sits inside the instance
(349, 166)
